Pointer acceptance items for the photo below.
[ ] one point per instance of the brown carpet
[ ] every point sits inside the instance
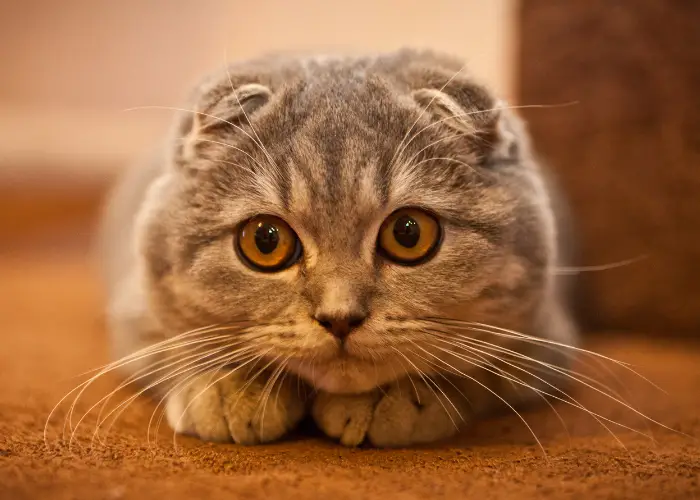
(51, 331)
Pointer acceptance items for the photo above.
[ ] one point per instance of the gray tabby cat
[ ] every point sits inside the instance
(374, 229)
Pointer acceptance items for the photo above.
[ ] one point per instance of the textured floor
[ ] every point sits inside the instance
(50, 332)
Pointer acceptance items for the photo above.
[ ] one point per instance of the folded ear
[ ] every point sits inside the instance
(218, 109)
(491, 128)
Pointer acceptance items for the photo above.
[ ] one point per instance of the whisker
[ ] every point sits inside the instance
(422, 376)
(181, 367)
(182, 348)
(529, 338)
(267, 391)
(145, 350)
(135, 356)
(513, 334)
(257, 137)
(473, 379)
(376, 370)
(401, 147)
(192, 365)
(501, 372)
(238, 165)
(440, 374)
(558, 415)
(601, 267)
(453, 160)
(469, 113)
(571, 400)
(118, 365)
(214, 367)
(281, 382)
(563, 372)
(235, 148)
(415, 389)
(596, 389)
(156, 367)
(198, 113)
(226, 375)
(449, 137)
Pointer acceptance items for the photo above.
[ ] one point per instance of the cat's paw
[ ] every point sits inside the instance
(224, 407)
(345, 417)
(406, 413)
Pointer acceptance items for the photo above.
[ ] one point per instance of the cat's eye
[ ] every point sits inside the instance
(267, 243)
(409, 236)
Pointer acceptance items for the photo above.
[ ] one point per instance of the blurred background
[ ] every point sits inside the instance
(627, 154)
(71, 68)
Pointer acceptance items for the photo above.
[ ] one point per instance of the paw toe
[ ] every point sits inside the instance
(344, 417)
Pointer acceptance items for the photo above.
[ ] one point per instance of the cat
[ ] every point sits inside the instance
(367, 240)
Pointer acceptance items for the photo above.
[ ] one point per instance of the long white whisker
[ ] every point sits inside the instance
(470, 113)
(443, 158)
(181, 367)
(431, 363)
(573, 401)
(257, 137)
(267, 392)
(135, 356)
(235, 148)
(422, 376)
(199, 113)
(401, 147)
(212, 366)
(192, 365)
(281, 382)
(410, 379)
(562, 372)
(211, 384)
(515, 334)
(556, 413)
(151, 370)
(565, 270)
(557, 369)
(473, 379)
(166, 344)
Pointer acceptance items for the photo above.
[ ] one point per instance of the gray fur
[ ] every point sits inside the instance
(331, 128)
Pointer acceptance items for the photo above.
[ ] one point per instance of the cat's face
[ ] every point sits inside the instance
(372, 207)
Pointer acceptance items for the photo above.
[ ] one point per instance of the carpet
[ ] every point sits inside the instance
(51, 331)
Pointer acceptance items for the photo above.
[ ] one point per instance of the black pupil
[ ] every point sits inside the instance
(407, 231)
(266, 237)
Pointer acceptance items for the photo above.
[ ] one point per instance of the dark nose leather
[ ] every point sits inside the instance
(340, 326)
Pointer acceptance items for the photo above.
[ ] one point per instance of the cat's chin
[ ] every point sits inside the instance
(344, 376)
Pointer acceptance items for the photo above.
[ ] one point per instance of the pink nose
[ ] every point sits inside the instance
(340, 326)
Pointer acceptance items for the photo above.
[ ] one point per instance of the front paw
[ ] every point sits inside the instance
(406, 413)
(223, 406)
(346, 417)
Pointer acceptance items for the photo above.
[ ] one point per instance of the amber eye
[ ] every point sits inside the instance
(409, 236)
(267, 243)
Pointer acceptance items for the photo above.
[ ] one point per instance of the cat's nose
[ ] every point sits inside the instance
(340, 326)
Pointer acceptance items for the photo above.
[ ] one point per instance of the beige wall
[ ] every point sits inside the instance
(71, 66)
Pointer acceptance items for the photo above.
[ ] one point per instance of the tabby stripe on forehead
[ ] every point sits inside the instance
(284, 182)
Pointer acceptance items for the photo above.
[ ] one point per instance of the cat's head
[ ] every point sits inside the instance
(339, 205)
